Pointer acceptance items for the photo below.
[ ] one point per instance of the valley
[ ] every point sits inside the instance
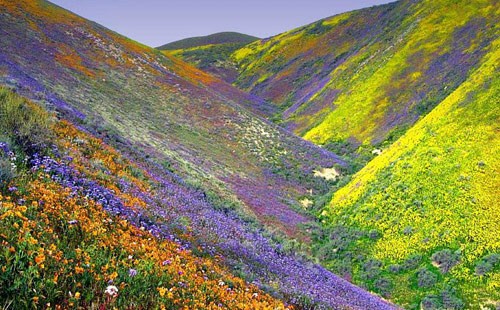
(347, 164)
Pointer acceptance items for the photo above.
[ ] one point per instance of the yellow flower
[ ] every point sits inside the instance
(78, 269)
(77, 295)
(162, 291)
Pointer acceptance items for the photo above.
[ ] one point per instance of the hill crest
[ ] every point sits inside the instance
(212, 39)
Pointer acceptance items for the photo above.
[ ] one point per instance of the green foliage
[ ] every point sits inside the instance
(446, 259)
(487, 264)
(25, 123)
(426, 278)
(318, 28)
(7, 173)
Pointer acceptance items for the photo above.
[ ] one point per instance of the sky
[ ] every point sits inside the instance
(156, 22)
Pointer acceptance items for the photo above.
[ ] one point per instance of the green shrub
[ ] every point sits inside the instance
(431, 302)
(426, 278)
(446, 259)
(6, 172)
(487, 264)
(25, 123)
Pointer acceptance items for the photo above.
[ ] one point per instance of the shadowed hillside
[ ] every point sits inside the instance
(213, 39)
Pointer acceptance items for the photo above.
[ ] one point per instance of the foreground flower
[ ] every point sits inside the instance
(162, 291)
(111, 290)
(132, 272)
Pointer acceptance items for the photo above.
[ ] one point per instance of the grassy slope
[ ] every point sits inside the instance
(63, 247)
(348, 79)
(436, 188)
(216, 38)
(159, 106)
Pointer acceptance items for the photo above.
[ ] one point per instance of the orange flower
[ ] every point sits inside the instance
(40, 259)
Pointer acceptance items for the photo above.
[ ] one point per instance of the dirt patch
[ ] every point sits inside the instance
(327, 173)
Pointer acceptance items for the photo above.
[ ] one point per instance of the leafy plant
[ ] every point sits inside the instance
(27, 124)
(446, 259)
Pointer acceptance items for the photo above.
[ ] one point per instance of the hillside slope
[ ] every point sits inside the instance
(213, 39)
(421, 222)
(83, 225)
(76, 222)
(183, 118)
(366, 76)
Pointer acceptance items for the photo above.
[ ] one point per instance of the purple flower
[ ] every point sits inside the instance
(132, 272)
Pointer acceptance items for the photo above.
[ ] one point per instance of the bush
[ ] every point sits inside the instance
(451, 300)
(431, 302)
(372, 268)
(487, 264)
(6, 172)
(412, 262)
(395, 268)
(446, 259)
(426, 278)
(25, 123)
(374, 234)
(383, 286)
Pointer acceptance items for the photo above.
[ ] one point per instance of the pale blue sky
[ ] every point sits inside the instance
(156, 22)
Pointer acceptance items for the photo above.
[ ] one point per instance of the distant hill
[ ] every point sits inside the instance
(216, 38)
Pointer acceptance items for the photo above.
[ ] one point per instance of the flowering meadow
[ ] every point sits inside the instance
(131, 179)
(82, 226)
(363, 76)
(160, 107)
(424, 216)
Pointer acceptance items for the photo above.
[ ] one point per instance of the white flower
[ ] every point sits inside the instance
(111, 290)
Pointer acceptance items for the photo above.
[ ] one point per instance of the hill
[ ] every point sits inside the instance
(414, 96)
(213, 39)
(212, 53)
(420, 222)
(196, 174)
(364, 77)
